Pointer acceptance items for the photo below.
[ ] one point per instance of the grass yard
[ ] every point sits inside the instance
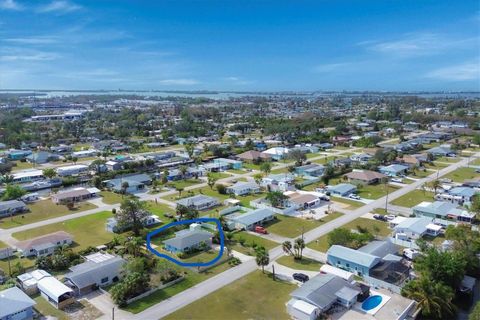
(421, 174)
(449, 159)
(303, 264)
(435, 165)
(375, 191)
(2, 245)
(86, 231)
(220, 175)
(281, 170)
(159, 209)
(292, 227)
(184, 183)
(375, 227)
(192, 278)
(462, 174)
(249, 241)
(475, 162)
(26, 263)
(43, 210)
(255, 296)
(325, 159)
(237, 171)
(413, 198)
(352, 204)
(19, 165)
(251, 166)
(109, 197)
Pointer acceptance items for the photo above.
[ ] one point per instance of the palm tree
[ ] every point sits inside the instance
(435, 184)
(183, 171)
(298, 246)
(433, 298)
(133, 245)
(287, 247)
(125, 186)
(262, 258)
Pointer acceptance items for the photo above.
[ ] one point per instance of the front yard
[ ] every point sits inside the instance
(462, 174)
(255, 296)
(352, 204)
(413, 198)
(109, 197)
(43, 210)
(303, 264)
(250, 240)
(292, 227)
(86, 231)
(375, 227)
(375, 191)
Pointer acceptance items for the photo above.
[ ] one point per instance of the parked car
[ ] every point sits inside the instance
(301, 277)
(354, 196)
(390, 217)
(399, 180)
(410, 253)
(379, 217)
(259, 229)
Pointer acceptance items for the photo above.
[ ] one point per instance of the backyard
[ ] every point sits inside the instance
(352, 204)
(255, 296)
(43, 210)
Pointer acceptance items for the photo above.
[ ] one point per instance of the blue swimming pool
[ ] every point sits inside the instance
(371, 302)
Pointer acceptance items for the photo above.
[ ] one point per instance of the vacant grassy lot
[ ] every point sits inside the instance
(375, 191)
(159, 209)
(255, 296)
(19, 165)
(220, 175)
(251, 166)
(303, 264)
(86, 231)
(462, 174)
(292, 227)
(109, 197)
(251, 239)
(42, 210)
(184, 183)
(281, 170)
(449, 159)
(352, 204)
(413, 198)
(375, 227)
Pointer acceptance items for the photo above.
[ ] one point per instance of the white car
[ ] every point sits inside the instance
(390, 217)
(399, 180)
(354, 196)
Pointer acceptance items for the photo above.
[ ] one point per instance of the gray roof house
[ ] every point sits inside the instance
(351, 260)
(394, 170)
(10, 207)
(189, 239)
(460, 195)
(380, 249)
(324, 290)
(135, 182)
(252, 218)
(199, 202)
(15, 304)
(442, 151)
(444, 213)
(342, 189)
(414, 228)
(242, 188)
(99, 269)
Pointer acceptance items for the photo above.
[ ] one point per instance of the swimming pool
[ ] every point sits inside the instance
(372, 302)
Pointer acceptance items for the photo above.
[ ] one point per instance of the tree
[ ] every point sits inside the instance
(13, 192)
(298, 156)
(276, 198)
(49, 173)
(257, 177)
(298, 246)
(328, 173)
(475, 314)
(74, 160)
(179, 189)
(211, 180)
(433, 298)
(435, 184)
(475, 206)
(183, 170)
(124, 187)
(262, 257)
(266, 167)
(133, 245)
(186, 212)
(287, 247)
(131, 214)
(190, 149)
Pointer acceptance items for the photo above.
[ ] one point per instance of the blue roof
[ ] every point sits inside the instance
(394, 168)
(253, 216)
(342, 188)
(462, 191)
(354, 256)
(415, 225)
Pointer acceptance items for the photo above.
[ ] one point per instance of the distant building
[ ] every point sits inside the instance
(243, 188)
(72, 170)
(364, 177)
(74, 195)
(44, 245)
(444, 213)
(342, 189)
(11, 207)
(199, 202)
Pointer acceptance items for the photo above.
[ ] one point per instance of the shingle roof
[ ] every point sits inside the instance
(11, 204)
(48, 238)
(365, 175)
(13, 300)
(416, 225)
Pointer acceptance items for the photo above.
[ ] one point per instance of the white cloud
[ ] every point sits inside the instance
(59, 6)
(238, 80)
(178, 82)
(10, 5)
(329, 67)
(33, 40)
(40, 56)
(461, 72)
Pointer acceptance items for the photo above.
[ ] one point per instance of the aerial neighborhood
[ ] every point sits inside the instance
(355, 210)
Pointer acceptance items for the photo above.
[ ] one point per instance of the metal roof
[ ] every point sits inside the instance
(13, 300)
(354, 256)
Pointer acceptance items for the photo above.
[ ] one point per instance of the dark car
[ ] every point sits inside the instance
(301, 277)
(379, 217)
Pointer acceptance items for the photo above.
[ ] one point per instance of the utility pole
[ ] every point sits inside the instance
(9, 265)
(113, 313)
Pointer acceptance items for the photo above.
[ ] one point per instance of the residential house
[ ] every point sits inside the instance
(99, 270)
(362, 158)
(113, 165)
(161, 156)
(228, 163)
(85, 153)
(243, 188)
(187, 240)
(302, 201)
(394, 170)
(459, 195)
(442, 151)
(61, 149)
(15, 305)
(135, 182)
(74, 195)
(364, 177)
(254, 156)
(199, 202)
(42, 157)
(18, 154)
(52, 290)
(444, 213)
(27, 176)
(277, 153)
(409, 229)
(113, 226)
(44, 245)
(11, 207)
(314, 170)
(250, 219)
(72, 170)
(320, 294)
(351, 260)
(339, 140)
(279, 182)
(342, 189)
(413, 160)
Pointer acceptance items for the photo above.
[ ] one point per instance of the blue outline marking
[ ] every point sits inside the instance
(188, 264)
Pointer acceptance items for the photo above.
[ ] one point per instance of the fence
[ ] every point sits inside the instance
(149, 292)
(382, 284)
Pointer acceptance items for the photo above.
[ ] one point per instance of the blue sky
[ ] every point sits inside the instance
(240, 45)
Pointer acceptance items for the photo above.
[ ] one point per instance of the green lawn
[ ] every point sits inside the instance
(462, 174)
(375, 191)
(292, 227)
(249, 240)
(375, 227)
(325, 159)
(220, 175)
(43, 210)
(24, 262)
(421, 174)
(2, 245)
(303, 264)
(184, 183)
(192, 278)
(86, 231)
(475, 162)
(159, 209)
(251, 166)
(449, 159)
(352, 204)
(281, 170)
(111, 197)
(19, 165)
(436, 165)
(255, 296)
(413, 198)
(237, 171)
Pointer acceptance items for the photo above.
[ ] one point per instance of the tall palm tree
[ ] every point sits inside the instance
(433, 298)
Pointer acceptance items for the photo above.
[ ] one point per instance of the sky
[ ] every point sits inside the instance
(240, 45)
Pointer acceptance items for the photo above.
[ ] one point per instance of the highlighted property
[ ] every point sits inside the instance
(188, 264)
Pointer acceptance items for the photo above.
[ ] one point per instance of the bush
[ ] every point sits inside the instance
(221, 189)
